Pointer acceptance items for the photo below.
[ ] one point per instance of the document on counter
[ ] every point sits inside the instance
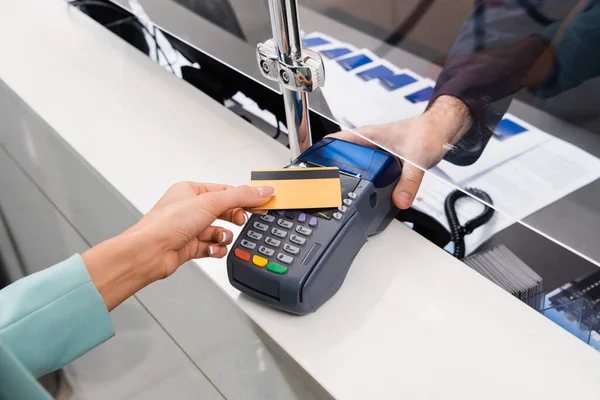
(316, 40)
(518, 188)
(402, 99)
(347, 90)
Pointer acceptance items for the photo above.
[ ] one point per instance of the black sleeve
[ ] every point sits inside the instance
(485, 68)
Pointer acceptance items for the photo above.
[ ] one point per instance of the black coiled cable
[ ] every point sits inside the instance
(458, 231)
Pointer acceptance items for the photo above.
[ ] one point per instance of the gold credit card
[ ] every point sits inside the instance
(300, 188)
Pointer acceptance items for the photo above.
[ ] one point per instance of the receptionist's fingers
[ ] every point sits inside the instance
(350, 136)
(407, 188)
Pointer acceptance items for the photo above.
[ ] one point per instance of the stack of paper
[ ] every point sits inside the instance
(506, 270)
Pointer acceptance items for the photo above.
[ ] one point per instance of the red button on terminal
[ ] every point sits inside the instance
(242, 255)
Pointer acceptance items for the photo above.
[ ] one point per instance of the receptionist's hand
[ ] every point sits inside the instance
(177, 229)
(421, 142)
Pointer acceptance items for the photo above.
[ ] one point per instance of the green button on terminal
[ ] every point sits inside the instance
(278, 269)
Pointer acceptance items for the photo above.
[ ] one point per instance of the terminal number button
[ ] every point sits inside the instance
(261, 227)
(259, 261)
(279, 233)
(297, 239)
(352, 195)
(267, 217)
(303, 231)
(266, 251)
(254, 235)
(242, 255)
(272, 242)
(248, 244)
(284, 258)
(291, 249)
(285, 224)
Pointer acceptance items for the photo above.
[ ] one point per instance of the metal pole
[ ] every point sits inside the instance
(298, 71)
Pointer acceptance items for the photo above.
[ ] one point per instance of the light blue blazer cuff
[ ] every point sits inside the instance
(52, 317)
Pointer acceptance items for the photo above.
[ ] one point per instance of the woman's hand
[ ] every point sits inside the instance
(177, 229)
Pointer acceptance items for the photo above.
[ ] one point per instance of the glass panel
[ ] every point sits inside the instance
(522, 140)
(575, 317)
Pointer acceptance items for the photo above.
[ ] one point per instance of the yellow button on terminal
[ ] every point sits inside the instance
(259, 261)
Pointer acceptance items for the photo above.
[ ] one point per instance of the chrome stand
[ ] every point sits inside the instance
(298, 71)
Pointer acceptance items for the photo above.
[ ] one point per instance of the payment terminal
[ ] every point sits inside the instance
(296, 260)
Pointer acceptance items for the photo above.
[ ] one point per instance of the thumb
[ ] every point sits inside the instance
(408, 186)
(219, 202)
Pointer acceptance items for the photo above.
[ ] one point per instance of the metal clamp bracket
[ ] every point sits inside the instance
(307, 76)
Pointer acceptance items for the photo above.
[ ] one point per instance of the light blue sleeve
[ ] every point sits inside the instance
(52, 317)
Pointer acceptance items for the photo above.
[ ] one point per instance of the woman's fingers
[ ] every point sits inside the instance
(201, 188)
(207, 249)
(236, 216)
(217, 203)
(212, 242)
(257, 211)
(216, 234)
(214, 250)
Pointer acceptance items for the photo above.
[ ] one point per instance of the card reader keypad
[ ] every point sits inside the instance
(285, 224)
(266, 251)
(304, 231)
(254, 235)
(284, 258)
(291, 249)
(248, 244)
(272, 242)
(279, 232)
(287, 237)
(291, 226)
(267, 217)
(261, 227)
(297, 239)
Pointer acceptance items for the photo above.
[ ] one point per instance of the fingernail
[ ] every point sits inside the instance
(245, 218)
(223, 237)
(212, 250)
(266, 191)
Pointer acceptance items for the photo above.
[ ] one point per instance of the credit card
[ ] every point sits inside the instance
(300, 188)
